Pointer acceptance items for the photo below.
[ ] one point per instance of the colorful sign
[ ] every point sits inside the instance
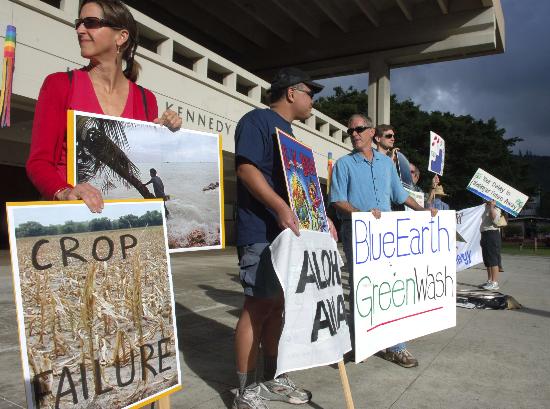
(489, 187)
(437, 154)
(315, 330)
(302, 183)
(129, 159)
(95, 304)
(404, 277)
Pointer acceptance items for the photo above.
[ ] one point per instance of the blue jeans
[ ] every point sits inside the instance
(347, 241)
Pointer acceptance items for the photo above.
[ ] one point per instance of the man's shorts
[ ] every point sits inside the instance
(258, 277)
(490, 247)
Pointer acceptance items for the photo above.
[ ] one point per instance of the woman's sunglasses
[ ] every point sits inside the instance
(93, 22)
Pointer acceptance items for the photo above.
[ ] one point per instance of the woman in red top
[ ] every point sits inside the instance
(107, 34)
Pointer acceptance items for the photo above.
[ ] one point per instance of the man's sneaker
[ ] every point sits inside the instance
(283, 389)
(403, 358)
(249, 399)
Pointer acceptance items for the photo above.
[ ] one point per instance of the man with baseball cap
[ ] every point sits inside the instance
(262, 213)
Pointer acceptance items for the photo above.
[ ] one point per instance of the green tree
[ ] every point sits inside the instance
(100, 224)
(470, 144)
(30, 229)
(128, 221)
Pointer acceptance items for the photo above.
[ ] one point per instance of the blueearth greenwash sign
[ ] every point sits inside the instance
(468, 252)
(405, 277)
(490, 188)
(315, 331)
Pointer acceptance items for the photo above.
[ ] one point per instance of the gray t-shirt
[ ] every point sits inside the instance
(487, 223)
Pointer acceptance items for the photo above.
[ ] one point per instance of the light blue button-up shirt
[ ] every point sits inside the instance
(366, 185)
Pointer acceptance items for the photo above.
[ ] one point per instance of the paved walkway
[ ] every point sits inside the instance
(491, 359)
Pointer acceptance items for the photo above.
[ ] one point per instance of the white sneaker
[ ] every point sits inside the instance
(486, 284)
(493, 286)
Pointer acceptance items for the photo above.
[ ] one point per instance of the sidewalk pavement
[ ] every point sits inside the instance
(491, 359)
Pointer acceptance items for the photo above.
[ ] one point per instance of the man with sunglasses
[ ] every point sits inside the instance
(384, 138)
(366, 180)
(262, 213)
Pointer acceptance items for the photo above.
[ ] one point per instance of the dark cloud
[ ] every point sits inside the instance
(513, 87)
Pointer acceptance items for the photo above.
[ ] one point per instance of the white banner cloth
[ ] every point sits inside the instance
(404, 277)
(468, 253)
(315, 331)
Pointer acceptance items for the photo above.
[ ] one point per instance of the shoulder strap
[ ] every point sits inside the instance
(144, 98)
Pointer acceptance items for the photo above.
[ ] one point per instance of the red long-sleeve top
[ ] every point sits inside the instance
(47, 163)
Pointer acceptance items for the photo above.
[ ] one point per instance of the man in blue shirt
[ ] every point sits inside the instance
(366, 180)
(262, 213)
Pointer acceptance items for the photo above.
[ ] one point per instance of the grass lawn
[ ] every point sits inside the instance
(528, 249)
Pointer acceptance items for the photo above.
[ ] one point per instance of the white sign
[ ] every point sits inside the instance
(404, 277)
(437, 154)
(490, 188)
(468, 252)
(417, 196)
(315, 331)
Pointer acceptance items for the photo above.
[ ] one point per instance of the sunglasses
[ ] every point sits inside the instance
(92, 22)
(389, 135)
(310, 93)
(357, 129)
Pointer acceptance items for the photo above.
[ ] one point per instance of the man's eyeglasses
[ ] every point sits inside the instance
(389, 135)
(92, 22)
(308, 92)
(357, 129)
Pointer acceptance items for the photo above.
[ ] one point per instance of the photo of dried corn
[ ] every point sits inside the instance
(94, 303)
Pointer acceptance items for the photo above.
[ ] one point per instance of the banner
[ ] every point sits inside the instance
(315, 330)
(95, 304)
(404, 277)
(437, 154)
(489, 187)
(468, 252)
(129, 159)
(302, 183)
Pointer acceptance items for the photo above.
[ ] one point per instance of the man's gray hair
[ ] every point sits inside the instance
(366, 119)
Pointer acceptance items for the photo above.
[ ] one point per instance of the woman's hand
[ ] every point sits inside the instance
(332, 229)
(86, 192)
(169, 119)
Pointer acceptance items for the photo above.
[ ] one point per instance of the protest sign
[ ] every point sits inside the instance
(417, 196)
(302, 183)
(130, 159)
(315, 330)
(404, 277)
(489, 187)
(468, 252)
(404, 170)
(95, 304)
(437, 154)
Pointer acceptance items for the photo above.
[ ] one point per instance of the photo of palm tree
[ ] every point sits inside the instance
(129, 159)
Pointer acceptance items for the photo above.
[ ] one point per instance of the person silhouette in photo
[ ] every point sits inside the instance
(158, 188)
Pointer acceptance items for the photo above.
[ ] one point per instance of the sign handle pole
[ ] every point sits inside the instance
(345, 385)
(163, 403)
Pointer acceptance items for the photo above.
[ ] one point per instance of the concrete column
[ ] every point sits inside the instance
(70, 7)
(379, 92)
(166, 49)
(230, 81)
(311, 122)
(201, 67)
(255, 93)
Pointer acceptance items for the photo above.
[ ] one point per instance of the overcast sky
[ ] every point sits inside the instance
(513, 87)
